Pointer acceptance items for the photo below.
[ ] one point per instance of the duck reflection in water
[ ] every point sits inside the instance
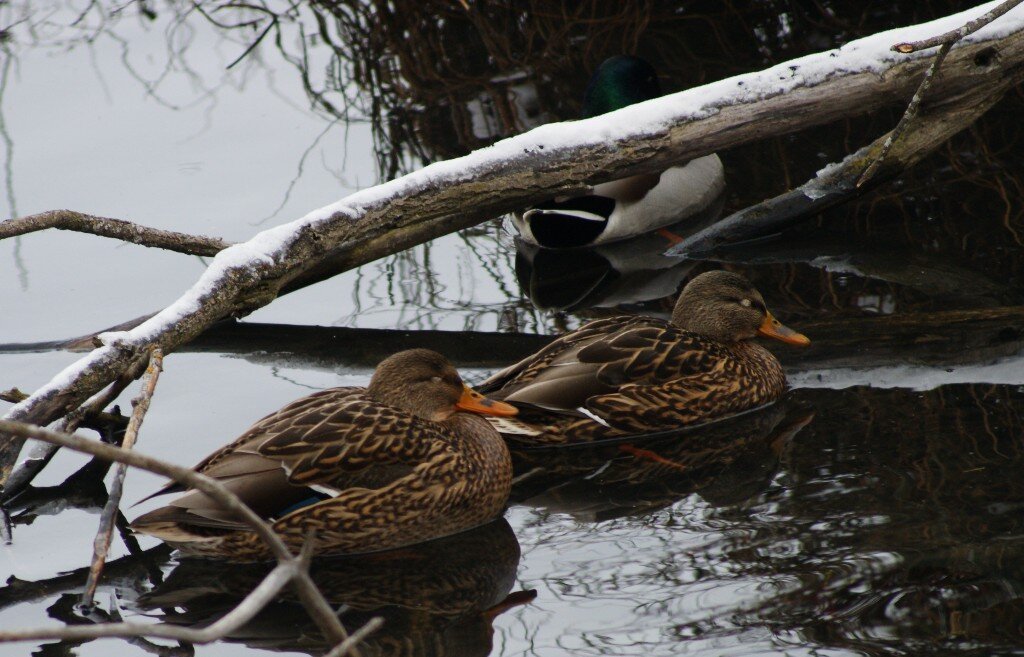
(436, 598)
(608, 275)
(724, 462)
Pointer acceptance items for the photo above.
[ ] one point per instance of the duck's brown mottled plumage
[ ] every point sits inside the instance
(393, 474)
(642, 374)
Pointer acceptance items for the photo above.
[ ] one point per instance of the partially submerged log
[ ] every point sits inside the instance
(944, 338)
(554, 159)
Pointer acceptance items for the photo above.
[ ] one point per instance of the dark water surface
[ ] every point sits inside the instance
(877, 510)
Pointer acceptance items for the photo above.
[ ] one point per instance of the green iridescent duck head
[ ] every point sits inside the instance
(619, 82)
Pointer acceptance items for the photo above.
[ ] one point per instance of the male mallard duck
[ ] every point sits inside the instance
(365, 470)
(634, 375)
(622, 208)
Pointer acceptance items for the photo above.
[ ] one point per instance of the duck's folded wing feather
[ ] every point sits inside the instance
(684, 400)
(324, 446)
(526, 369)
(338, 440)
(643, 352)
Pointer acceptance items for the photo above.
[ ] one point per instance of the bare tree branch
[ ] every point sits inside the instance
(946, 42)
(245, 611)
(91, 420)
(955, 35)
(116, 228)
(317, 607)
(101, 545)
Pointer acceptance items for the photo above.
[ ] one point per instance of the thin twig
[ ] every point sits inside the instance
(120, 229)
(255, 43)
(317, 607)
(245, 611)
(348, 645)
(946, 42)
(26, 473)
(908, 116)
(955, 35)
(101, 545)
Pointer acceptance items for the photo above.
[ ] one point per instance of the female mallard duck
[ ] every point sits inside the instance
(634, 375)
(623, 208)
(365, 470)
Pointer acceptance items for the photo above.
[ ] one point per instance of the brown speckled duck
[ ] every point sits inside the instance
(364, 469)
(634, 375)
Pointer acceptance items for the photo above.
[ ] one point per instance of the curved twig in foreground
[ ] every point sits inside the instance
(317, 607)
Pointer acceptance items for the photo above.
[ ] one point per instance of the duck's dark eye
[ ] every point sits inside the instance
(746, 303)
(435, 379)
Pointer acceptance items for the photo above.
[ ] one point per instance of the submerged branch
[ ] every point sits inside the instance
(264, 593)
(317, 607)
(101, 545)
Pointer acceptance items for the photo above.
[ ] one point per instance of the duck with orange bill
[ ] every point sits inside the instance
(633, 375)
(407, 459)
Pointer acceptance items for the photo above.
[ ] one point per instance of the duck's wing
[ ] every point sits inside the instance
(313, 448)
(504, 381)
(629, 189)
(681, 401)
(307, 410)
(644, 351)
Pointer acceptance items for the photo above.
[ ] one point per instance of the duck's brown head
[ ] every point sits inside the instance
(724, 306)
(422, 382)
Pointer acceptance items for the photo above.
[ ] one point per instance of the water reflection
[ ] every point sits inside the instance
(889, 524)
(625, 272)
(735, 457)
(437, 598)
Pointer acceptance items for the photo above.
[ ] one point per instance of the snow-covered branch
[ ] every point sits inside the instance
(558, 158)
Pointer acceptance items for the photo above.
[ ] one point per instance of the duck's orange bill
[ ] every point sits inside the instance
(773, 328)
(474, 402)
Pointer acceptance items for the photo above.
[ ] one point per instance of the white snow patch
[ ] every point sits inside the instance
(1005, 371)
